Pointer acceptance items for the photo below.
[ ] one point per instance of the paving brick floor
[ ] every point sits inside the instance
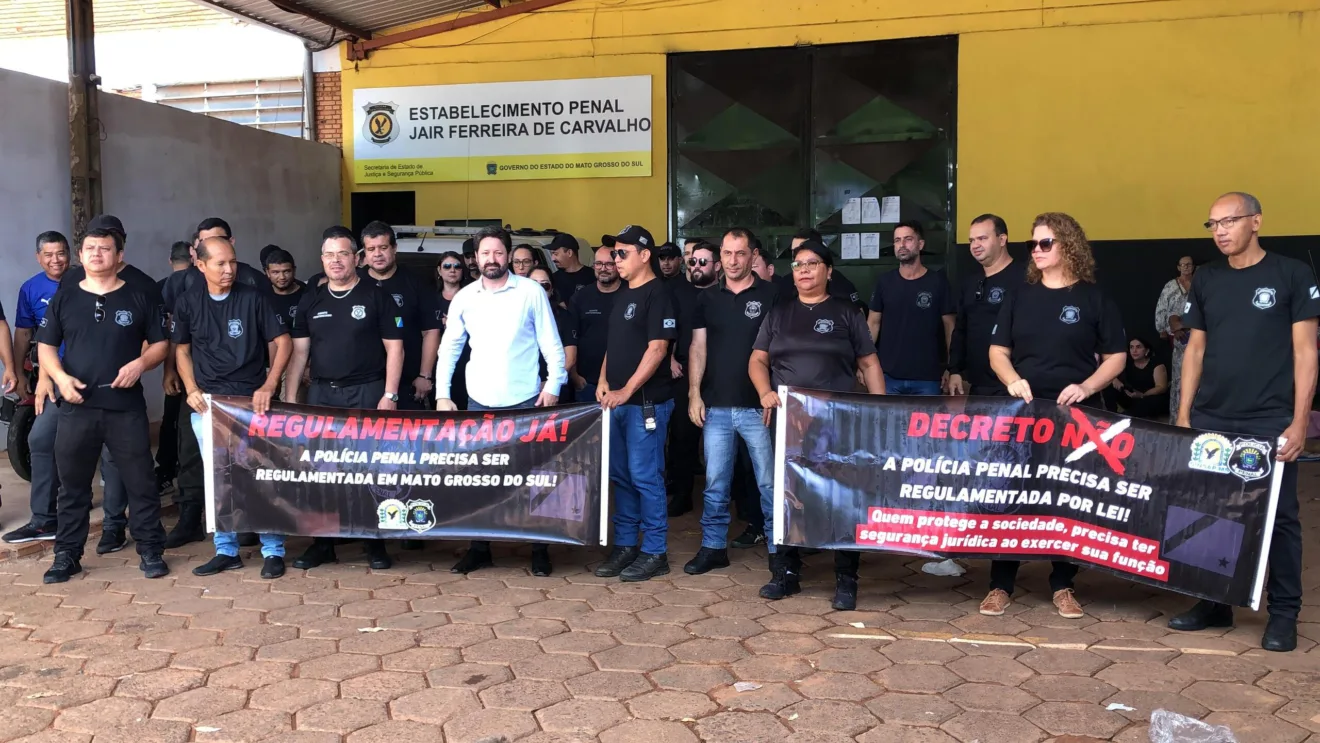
(415, 654)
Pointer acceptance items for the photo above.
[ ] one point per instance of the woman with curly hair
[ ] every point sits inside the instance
(1045, 345)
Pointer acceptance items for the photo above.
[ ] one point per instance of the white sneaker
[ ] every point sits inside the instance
(945, 568)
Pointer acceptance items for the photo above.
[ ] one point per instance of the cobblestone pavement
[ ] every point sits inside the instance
(416, 654)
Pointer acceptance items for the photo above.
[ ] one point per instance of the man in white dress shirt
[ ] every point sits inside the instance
(509, 325)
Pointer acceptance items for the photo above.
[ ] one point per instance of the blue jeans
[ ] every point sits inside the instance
(226, 542)
(911, 386)
(45, 478)
(722, 424)
(637, 461)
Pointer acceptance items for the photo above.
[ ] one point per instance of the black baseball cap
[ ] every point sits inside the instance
(109, 223)
(636, 236)
(607, 241)
(817, 247)
(670, 250)
(469, 248)
(562, 241)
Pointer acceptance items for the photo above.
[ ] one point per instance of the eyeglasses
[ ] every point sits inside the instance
(699, 261)
(99, 314)
(601, 264)
(451, 266)
(1227, 222)
(1044, 246)
(523, 261)
(808, 265)
(619, 254)
(342, 255)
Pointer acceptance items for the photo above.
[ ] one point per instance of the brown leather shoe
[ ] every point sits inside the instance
(1067, 605)
(995, 603)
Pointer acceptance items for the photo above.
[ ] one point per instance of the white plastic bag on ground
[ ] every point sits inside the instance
(1171, 727)
(945, 568)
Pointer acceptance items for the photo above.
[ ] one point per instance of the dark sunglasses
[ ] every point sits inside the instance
(619, 254)
(1045, 245)
(699, 261)
(546, 285)
(99, 314)
(451, 266)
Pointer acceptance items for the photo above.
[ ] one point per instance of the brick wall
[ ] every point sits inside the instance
(329, 109)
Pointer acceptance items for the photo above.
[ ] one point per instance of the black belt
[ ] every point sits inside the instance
(341, 383)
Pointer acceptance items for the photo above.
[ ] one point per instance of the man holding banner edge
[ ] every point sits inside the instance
(1253, 320)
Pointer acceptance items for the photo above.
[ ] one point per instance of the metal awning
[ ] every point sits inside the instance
(323, 23)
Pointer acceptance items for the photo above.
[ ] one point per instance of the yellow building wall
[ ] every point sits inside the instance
(1132, 114)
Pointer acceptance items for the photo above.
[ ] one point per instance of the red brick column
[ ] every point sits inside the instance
(329, 109)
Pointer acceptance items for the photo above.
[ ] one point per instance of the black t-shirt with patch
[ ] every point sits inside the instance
(686, 294)
(131, 275)
(228, 337)
(640, 316)
(591, 309)
(567, 285)
(191, 279)
(95, 351)
(815, 346)
(912, 314)
(1247, 315)
(416, 311)
(980, 298)
(286, 305)
(732, 322)
(839, 286)
(347, 331)
(1055, 334)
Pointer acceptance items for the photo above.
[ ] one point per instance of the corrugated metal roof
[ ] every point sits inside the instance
(367, 15)
(31, 18)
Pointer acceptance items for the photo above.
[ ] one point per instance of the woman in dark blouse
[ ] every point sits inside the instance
(565, 323)
(451, 275)
(1142, 390)
(1045, 345)
(820, 342)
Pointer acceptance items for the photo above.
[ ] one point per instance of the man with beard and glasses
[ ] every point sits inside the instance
(703, 269)
(507, 321)
(636, 388)
(220, 341)
(111, 334)
(980, 298)
(417, 314)
(346, 330)
(590, 309)
(33, 298)
(1250, 367)
(918, 317)
(723, 400)
(572, 277)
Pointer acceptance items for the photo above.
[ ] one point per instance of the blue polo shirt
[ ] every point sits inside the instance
(33, 297)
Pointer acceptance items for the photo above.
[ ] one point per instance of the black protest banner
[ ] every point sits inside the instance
(979, 477)
(518, 475)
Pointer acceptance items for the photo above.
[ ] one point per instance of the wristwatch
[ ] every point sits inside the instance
(392, 396)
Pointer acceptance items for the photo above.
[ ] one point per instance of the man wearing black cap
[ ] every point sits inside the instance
(416, 313)
(635, 385)
(671, 263)
(346, 329)
(572, 276)
(103, 324)
(470, 258)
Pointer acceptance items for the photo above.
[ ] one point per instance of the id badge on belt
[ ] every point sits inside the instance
(648, 415)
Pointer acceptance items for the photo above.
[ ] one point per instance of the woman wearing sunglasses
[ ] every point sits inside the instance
(564, 322)
(817, 341)
(451, 275)
(1045, 346)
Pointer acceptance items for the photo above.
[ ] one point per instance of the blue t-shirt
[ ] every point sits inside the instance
(33, 297)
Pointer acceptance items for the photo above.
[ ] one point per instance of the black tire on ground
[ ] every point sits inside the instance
(20, 457)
